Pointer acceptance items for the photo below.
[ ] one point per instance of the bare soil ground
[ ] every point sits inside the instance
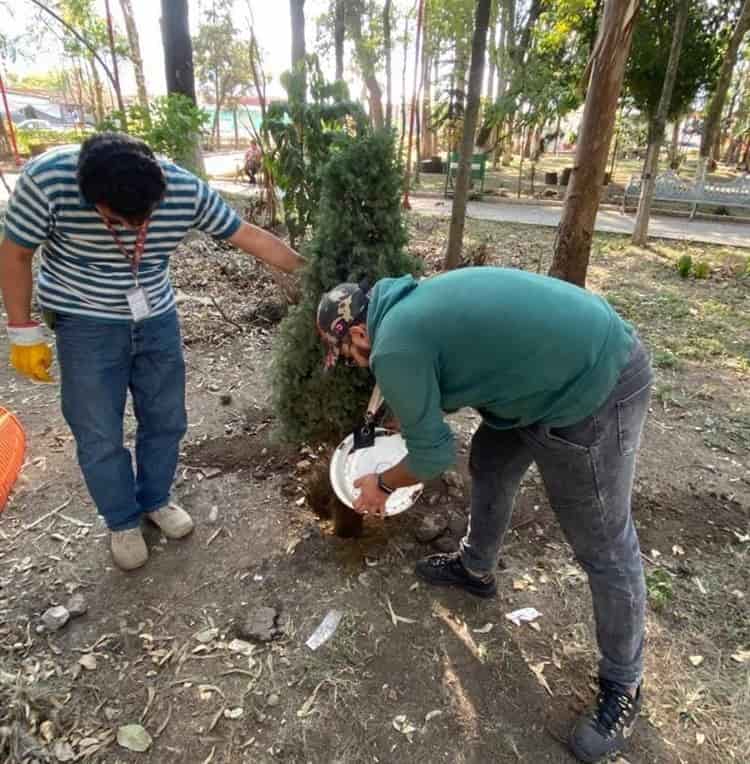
(411, 674)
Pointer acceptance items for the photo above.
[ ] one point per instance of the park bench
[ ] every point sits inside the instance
(478, 171)
(670, 187)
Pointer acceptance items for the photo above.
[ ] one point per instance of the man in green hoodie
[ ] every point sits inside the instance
(559, 379)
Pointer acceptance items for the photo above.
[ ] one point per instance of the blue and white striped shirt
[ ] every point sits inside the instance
(82, 269)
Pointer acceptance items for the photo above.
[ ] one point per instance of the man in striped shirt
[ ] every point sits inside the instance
(106, 218)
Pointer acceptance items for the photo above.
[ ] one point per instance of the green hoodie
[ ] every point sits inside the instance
(517, 347)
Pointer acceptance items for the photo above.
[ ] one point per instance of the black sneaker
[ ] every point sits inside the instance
(448, 570)
(604, 730)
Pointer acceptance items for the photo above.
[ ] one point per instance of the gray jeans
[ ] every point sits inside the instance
(588, 471)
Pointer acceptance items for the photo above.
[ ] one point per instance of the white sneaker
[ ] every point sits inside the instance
(173, 521)
(128, 548)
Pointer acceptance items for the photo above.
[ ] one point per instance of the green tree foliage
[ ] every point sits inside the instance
(304, 130)
(359, 233)
(647, 64)
(171, 129)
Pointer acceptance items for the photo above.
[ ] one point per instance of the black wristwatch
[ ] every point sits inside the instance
(383, 486)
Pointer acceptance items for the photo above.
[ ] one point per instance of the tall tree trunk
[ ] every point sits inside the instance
(339, 34)
(712, 121)
(656, 133)
(606, 67)
(115, 67)
(136, 58)
(297, 11)
(491, 60)
(97, 91)
(178, 67)
(507, 33)
(476, 77)
(403, 87)
(178, 48)
(387, 49)
(674, 145)
(428, 148)
(366, 63)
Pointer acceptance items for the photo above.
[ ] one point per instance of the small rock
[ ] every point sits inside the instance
(55, 618)
(77, 605)
(452, 479)
(446, 544)
(47, 731)
(430, 528)
(273, 700)
(225, 399)
(234, 713)
(457, 524)
(262, 625)
(213, 514)
(134, 737)
(88, 662)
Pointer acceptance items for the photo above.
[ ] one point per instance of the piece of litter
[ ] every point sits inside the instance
(257, 578)
(234, 713)
(741, 656)
(700, 738)
(538, 671)
(240, 646)
(677, 550)
(326, 629)
(88, 662)
(523, 615)
(134, 737)
(486, 629)
(696, 660)
(432, 715)
(207, 635)
(404, 726)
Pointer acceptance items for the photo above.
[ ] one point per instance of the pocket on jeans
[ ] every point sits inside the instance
(631, 414)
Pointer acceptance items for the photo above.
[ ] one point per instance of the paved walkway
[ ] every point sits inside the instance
(609, 220)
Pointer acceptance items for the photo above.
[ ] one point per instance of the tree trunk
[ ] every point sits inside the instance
(366, 63)
(178, 48)
(476, 77)
(428, 148)
(136, 58)
(712, 121)
(115, 68)
(387, 49)
(506, 36)
(674, 144)
(491, 59)
(606, 67)
(297, 11)
(339, 34)
(97, 91)
(656, 131)
(403, 87)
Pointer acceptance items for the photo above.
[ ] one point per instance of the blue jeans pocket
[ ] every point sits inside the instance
(631, 413)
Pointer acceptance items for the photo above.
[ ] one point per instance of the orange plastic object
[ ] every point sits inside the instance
(12, 449)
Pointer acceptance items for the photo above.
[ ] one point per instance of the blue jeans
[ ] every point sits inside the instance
(588, 471)
(99, 362)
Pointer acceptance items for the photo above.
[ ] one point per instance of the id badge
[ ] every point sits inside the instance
(140, 307)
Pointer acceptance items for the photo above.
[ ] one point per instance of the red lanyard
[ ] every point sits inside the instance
(140, 244)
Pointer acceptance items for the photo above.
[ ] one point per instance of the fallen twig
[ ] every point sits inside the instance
(225, 316)
(45, 516)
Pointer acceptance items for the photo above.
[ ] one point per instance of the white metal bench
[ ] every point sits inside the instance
(670, 187)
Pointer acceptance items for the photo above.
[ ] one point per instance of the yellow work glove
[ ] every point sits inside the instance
(30, 354)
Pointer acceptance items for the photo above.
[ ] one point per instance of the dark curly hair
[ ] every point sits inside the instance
(121, 172)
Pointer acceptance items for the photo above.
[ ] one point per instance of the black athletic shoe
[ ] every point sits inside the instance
(605, 729)
(447, 570)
